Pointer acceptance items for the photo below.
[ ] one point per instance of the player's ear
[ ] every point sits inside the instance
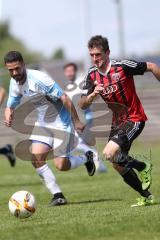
(108, 52)
(23, 65)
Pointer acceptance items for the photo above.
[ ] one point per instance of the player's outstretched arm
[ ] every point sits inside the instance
(79, 126)
(86, 101)
(2, 95)
(152, 67)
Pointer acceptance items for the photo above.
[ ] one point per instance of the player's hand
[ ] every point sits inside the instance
(98, 88)
(8, 117)
(79, 126)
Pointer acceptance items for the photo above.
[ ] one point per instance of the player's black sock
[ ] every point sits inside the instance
(4, 150)
(134, 163)
(130, 177)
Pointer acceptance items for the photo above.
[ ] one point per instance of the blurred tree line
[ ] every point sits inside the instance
(9, 42)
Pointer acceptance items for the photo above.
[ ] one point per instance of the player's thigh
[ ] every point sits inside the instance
(39, 153)
(62, 163)
(111, 150)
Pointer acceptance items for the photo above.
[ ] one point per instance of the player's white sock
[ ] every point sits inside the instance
(49, 179)
(82, 146)
(77, 161)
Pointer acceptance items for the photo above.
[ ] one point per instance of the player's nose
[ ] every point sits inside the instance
(94, 57)
(14, 72)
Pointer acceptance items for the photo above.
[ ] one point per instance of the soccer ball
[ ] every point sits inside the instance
(22, 204)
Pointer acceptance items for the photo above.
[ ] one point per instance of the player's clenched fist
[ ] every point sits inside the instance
(98, 88)
(8, 117)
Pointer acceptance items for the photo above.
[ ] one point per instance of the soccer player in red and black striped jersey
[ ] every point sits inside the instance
(114, 82)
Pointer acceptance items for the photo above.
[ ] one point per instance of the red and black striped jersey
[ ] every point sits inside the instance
(119, 89)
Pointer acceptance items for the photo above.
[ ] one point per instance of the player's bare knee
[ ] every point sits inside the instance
(110, 150)
(61, 164)
(37, 164)
(108, 154)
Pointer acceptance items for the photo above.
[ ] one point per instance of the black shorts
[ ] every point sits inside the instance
(124, 134)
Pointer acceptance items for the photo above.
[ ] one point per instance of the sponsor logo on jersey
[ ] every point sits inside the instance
(116, 76)
(109, 89)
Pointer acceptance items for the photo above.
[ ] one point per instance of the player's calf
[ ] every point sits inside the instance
(74, 161)
(49, 180)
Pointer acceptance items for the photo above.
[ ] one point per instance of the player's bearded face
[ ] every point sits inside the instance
(17, 71)
(99, 57)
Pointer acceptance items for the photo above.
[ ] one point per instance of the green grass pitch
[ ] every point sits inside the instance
(99, 206)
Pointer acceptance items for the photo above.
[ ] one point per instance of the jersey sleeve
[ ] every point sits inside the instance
(14, 97)
(88, 85)
(132, 67)
(49, 87)
(55, 92)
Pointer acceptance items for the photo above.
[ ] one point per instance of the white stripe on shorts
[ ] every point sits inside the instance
(134, 130)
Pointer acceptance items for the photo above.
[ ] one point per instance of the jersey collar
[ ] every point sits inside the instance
(107, 71)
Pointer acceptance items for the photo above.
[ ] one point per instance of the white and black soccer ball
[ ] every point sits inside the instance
(22, 204)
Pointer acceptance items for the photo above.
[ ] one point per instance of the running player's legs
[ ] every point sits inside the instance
(83, 147)
(117, 149)
(63, 141)
(7, 150)
(62, 163)
(121, 139)
(40, 151)
(111, 151)
(41, 146)
(66, 157)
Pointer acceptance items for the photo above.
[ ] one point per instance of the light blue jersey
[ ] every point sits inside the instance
(38, 88)
(74, 91)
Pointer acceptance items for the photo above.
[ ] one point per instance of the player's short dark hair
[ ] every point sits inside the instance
(99, 42)
(71, 64)
(13, 56)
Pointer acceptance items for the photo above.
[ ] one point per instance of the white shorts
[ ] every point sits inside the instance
(62, 139)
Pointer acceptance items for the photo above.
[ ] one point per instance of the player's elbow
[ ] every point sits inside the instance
(82, 103)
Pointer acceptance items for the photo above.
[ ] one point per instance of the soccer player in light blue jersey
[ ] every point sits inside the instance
(56, 121)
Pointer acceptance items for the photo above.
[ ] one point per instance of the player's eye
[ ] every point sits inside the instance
(95, 55)
(17, 69)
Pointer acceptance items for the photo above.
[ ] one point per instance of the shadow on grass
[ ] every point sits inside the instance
(96, 201)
